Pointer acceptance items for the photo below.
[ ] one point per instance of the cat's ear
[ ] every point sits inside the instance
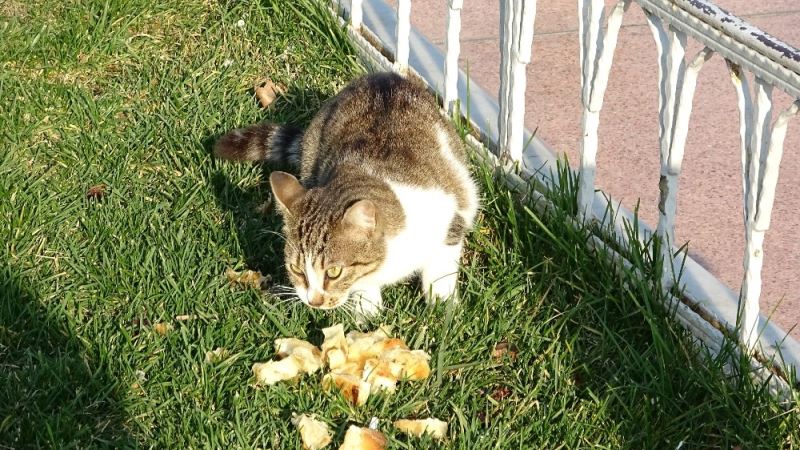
(286, 189)
(360, 216)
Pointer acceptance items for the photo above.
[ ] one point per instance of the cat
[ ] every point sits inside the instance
(384, 193)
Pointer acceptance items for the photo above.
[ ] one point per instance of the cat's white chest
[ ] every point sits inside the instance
(428, 215)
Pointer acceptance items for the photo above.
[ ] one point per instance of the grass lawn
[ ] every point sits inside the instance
(131, 95)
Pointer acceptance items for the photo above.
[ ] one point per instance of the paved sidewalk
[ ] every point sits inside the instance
(710, 199)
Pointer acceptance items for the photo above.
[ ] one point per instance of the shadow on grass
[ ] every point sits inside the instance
(52, 393)
(257, 224)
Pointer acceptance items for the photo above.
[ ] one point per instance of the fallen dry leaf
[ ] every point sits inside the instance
(502, 349)
(500, 393)
(96, 192)
(268, 92)
(249, 278)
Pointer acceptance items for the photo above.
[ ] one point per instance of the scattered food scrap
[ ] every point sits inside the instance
(434, 427)
(306, 354)
(314, 433)
(298, 357)
(162, 328)
(271, 372)
(365, 363)
(249, 278)
(360, 363)
(217, 355)
(358, 438)
(352, 387)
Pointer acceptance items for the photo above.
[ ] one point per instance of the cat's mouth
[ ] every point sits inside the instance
(326, 307)
(326, 303)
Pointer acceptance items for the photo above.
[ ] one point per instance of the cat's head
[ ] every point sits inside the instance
(331, 246)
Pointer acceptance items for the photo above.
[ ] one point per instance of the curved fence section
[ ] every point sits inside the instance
(758, 64)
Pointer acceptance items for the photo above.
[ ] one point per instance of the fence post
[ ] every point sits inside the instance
(403, 35)
(596, 63)
(516, 34)
(356, 13)
(452, 49)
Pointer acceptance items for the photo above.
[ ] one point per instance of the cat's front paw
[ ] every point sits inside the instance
(368, 304)
(442, 289)
(440, 275)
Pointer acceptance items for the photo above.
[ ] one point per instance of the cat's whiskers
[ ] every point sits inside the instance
(280, 289)
(353, 302)
(285, 296)
(280, 235)
(348, 310)
(292, 301)
(287, 291)
(283, 237)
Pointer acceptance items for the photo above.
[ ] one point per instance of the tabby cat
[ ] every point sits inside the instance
(384, 193)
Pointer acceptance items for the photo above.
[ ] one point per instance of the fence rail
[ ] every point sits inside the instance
(707, 308)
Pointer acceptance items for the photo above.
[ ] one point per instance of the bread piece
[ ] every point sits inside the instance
(306, 353)
(384, 330)
(362, 346)
(310, 361)
(386, 345)
(352, 387)
(334, 338)
(358, 438)
(334, 347)
(272, 372)
(286, 346)
(349, 368)
(314, 433)
(359, 349)
(379, 376)
(434, 427)
(407, 364)
(336, 358)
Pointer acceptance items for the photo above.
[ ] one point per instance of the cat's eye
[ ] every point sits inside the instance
(333, 272)
(296, 269)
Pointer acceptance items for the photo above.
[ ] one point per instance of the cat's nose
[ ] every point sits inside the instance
(316, 299)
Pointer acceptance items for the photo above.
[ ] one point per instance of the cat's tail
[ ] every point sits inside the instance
(262, 142)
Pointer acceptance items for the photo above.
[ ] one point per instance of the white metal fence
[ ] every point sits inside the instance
(706, 307)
